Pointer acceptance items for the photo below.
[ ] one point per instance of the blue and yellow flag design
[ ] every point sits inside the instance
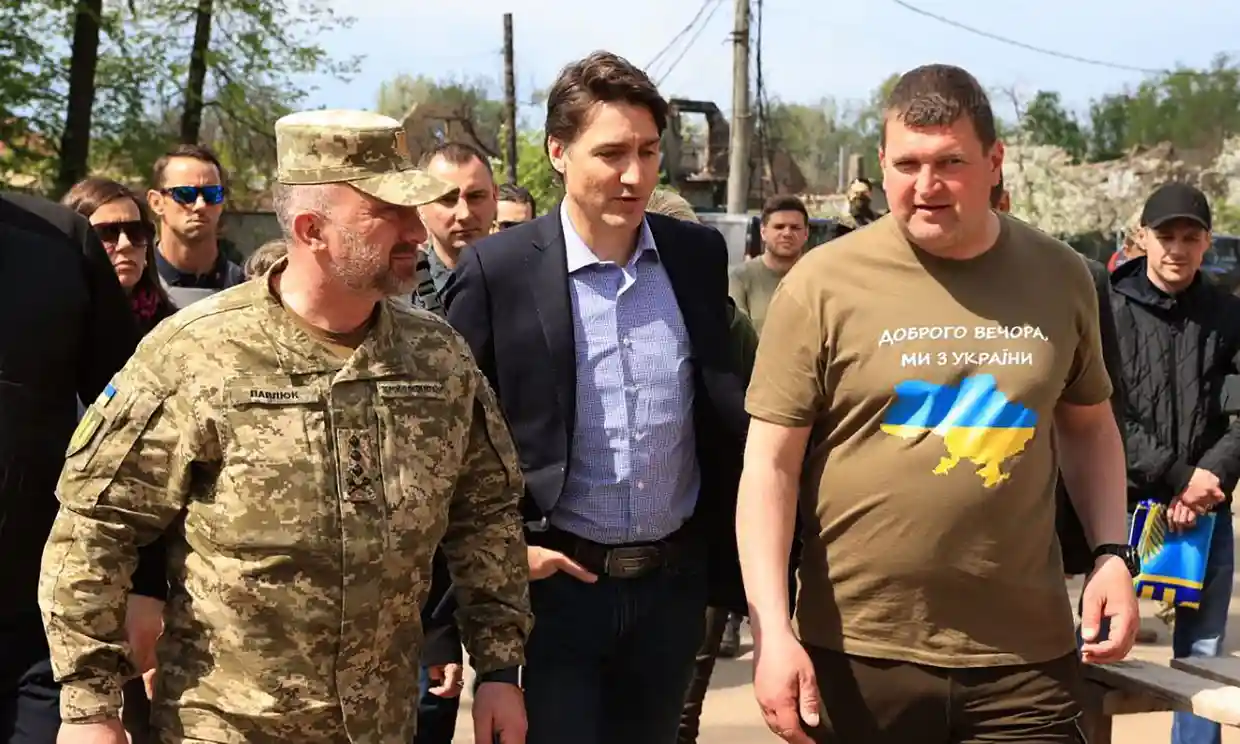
(1173, 564)
(976, 421)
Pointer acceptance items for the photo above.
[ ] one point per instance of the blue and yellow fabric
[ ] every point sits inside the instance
(1173, 564)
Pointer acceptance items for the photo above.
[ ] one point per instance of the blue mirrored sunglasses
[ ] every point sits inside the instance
(188, 195)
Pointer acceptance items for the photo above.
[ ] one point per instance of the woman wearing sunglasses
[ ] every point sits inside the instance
(120, 221)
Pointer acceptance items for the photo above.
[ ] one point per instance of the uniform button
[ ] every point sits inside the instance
(355, 455)
(355, 440)
(356, 470)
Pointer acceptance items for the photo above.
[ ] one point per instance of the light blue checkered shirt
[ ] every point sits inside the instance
(633, 475)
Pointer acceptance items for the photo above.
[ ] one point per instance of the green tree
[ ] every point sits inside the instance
(534, 171)
(1046, 122)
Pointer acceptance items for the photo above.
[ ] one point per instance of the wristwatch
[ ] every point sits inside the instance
(508, 675)
(1124, 552)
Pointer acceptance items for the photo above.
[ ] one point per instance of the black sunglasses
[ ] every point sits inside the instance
(188, 195)
(138, 232)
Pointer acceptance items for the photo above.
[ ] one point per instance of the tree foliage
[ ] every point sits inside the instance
(261, 57)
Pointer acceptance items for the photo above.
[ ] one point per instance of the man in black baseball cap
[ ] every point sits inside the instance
(1176, 224)
(1180, 342)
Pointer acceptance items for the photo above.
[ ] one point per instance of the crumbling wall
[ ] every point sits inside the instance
(1063, 198)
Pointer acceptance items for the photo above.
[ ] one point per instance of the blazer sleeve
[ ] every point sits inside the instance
(468, 305)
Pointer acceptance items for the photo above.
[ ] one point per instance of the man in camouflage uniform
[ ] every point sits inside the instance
(306, 442)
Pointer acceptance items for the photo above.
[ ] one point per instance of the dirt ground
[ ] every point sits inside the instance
(731, 716)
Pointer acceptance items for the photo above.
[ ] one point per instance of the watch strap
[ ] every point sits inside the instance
(508, 675)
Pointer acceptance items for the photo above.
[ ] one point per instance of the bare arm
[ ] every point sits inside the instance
(765, 519)
(1091, 458)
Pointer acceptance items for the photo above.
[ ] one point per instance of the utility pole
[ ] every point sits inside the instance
(510, 101)
(738, 162)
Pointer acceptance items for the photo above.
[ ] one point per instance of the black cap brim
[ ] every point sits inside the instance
(1164, 219)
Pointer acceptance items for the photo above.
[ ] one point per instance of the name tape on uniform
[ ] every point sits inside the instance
(276, 396)
(411, 390)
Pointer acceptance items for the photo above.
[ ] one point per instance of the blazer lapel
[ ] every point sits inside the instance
(549, 287)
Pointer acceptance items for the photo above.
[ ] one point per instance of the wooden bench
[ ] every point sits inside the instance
(1209, 688)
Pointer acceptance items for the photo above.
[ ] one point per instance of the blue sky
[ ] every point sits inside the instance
(812, 48)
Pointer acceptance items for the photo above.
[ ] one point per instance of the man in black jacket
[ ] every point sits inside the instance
(604, 332)
(1180, 340)
(68, 328)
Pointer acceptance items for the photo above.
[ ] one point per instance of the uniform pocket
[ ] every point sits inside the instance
(273, 491)
(421, 434)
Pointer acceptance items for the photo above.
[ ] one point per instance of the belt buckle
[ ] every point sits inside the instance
(630, 562)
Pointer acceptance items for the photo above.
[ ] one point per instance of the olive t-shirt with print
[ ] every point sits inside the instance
(929, 485)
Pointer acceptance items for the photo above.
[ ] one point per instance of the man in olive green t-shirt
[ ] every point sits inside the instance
(913, 391)
(785, 230)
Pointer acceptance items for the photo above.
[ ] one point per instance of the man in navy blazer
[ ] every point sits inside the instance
(603, 330)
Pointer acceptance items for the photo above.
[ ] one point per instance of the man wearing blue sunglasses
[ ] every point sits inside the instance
(188, 198)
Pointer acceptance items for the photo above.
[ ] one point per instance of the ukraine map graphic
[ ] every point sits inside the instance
(976, 421)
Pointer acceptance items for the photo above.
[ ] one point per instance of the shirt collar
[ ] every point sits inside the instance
(579, 254)
(217, 278)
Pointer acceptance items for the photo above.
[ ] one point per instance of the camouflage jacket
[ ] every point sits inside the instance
(303, 496)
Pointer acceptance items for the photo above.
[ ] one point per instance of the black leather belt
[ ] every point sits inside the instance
(617, 561)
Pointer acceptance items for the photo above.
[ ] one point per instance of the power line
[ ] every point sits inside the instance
(1023, 45)
(689, 26)
(693, 39)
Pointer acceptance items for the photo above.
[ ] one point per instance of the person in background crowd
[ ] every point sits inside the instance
(1130, 247)
(516, 206)
(68, 329)
(860, 205)
(604, 331)
(188, 199)
(453, 222)
(785, 230)
(264, 257)
(744, 347)
(1179, 336)
(341, 437)
(932, 607)
(462, 217)
(118, 218)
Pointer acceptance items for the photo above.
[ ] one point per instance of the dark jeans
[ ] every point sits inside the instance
(892, 702)
(610, 662)
(436, 715)
(30, 711)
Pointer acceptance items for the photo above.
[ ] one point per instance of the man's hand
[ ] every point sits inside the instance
(450, 679)
(499, 714)
(1109, 593)
(1202, 492)
(144, 624)
(108, 732)
(545, 562)
(1181, 516)
(785, 686)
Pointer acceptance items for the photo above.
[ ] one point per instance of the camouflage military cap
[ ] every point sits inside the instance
(360, 148)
